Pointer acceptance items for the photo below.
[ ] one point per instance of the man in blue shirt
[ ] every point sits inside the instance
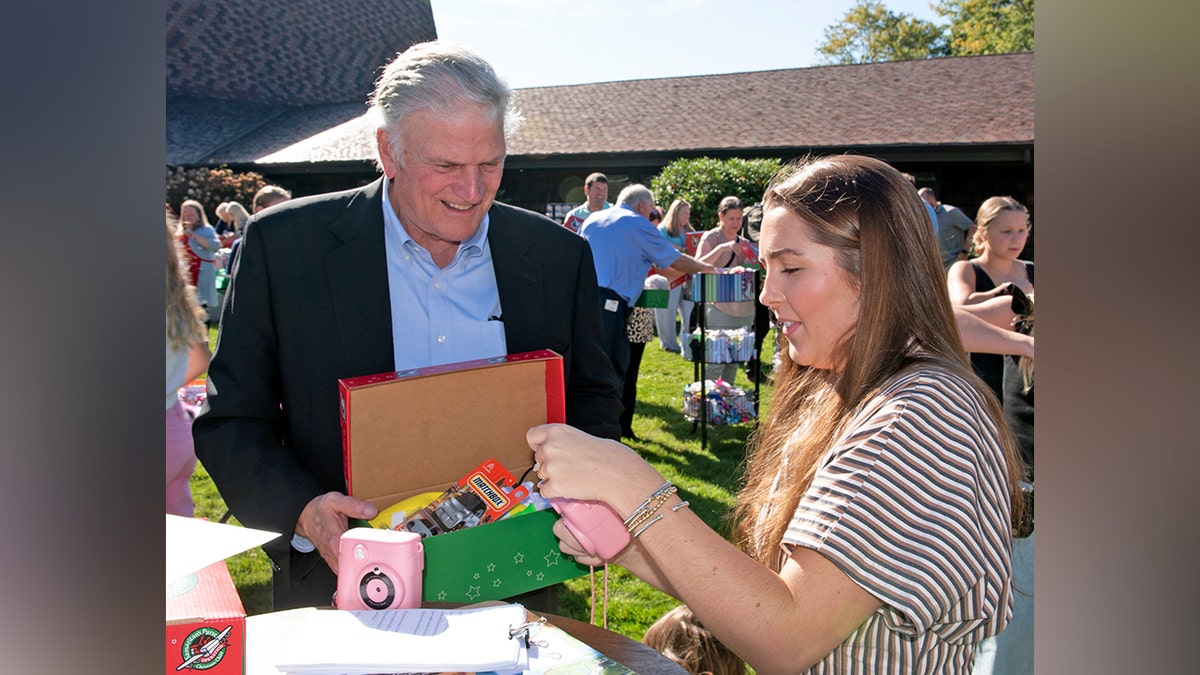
(625, 245)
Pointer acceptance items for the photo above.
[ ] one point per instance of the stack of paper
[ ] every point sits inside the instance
(405, 640)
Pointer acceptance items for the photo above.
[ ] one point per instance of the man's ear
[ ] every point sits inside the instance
(384, 148)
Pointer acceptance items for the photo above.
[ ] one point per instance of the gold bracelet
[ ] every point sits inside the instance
(657, 518)
(649, 507)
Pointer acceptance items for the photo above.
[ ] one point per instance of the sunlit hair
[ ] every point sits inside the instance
(437, 76)
(680, 636)
(195, 205)
(237, 215)
(728, 204)
(677, 225)
(635, 194)
(185, 318)
(268, 195)
(989, 211)
(875, 222)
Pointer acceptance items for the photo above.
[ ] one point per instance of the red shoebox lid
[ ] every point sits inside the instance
(206, 623)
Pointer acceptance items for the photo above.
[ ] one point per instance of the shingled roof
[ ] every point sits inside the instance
(962, 101)
(292, 52)
(239, 73)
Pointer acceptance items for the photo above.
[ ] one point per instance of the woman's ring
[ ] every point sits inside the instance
(537, 468)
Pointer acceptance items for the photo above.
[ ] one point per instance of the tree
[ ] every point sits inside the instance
(988, 26)
(870, 33)
(703, 182)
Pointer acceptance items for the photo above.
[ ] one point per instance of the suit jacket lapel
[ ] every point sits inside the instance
(358, 283)
(518, 279)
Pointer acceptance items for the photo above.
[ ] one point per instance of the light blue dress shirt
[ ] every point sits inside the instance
(624, 247)
(440, 315)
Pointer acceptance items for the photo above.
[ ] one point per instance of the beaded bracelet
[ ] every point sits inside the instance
(644, 515)
(657, 518)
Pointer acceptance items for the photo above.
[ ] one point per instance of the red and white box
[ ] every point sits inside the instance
(206, 624)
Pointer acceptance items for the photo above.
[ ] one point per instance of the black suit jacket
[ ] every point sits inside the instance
(309, 304)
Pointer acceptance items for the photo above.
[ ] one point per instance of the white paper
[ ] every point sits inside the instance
(193, 544)
(405, 640)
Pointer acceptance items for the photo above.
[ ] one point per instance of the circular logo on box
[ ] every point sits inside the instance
(204, 648)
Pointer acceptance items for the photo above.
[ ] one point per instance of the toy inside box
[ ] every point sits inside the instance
(206, 624)
(421, 430)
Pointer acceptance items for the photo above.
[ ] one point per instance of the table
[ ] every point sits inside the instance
(265, 632)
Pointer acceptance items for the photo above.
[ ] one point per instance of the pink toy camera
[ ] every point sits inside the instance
(379, 569)
(598, 528)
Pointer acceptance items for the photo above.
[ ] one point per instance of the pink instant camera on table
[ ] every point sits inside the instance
(379, 569)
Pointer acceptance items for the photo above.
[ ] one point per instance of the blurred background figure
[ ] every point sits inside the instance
(200, 245)
(238, 217)
(674, 228)
(268, 195)
(187, 358)
(955, 229)
(680, 636)
(639, 328)
(222, 226)
(726, 314)
(1001, 231)
(595, 189)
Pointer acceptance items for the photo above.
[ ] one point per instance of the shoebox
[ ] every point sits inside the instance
(205, 620)
(420, 430)
(206, 624)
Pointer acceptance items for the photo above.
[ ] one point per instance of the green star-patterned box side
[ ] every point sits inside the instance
(497, 561)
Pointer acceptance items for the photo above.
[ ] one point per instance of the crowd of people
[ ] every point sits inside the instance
(874, 530)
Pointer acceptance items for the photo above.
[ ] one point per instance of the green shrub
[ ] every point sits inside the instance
(704, 182)
(211, 186)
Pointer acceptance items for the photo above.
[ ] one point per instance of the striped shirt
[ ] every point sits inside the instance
(912, 504)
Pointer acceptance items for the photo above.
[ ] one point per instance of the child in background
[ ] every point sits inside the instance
(683, 639)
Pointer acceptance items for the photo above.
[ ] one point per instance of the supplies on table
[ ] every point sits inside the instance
(726, 404)
(722, 345)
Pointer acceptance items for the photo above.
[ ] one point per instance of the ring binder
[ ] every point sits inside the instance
(526, 630)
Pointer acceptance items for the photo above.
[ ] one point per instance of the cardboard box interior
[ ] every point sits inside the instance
(444, 424)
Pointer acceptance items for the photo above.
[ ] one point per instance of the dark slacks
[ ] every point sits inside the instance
(615, 341)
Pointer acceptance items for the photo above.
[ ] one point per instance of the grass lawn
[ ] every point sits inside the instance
(707, 477)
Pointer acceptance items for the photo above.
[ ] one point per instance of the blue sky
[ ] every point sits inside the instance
(536, 43)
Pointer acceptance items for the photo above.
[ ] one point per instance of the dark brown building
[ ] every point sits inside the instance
(280, 87)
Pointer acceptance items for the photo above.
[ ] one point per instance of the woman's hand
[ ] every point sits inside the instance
(577, 465)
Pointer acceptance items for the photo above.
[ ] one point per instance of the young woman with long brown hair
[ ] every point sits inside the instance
(873, 533)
